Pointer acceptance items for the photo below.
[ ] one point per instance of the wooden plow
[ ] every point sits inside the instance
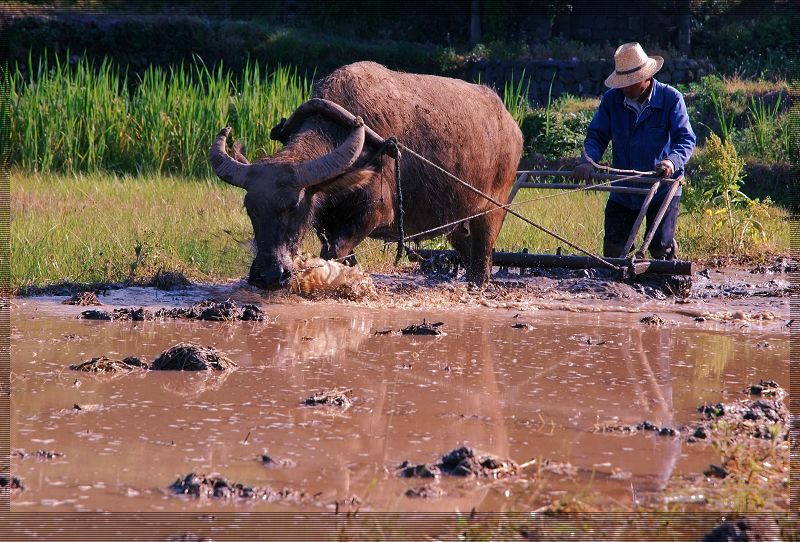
(624, 265)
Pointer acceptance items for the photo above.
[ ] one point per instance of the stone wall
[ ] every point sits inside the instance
(580, 78)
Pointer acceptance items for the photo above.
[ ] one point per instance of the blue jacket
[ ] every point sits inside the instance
(662, 131)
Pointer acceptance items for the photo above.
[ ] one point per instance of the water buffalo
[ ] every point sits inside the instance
(331, 175)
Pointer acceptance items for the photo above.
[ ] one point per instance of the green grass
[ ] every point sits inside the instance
(108, 228)
(94, 228)
(84, 118)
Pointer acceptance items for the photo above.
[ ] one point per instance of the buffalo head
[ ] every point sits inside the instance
(277, 199)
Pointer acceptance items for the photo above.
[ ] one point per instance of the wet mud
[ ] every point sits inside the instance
(83, 299)
(317, 278)
(37, 454)
(462, 461)
(752, 528)
(225, 311)
(192, 357)
(181, 357)
(12, 485)
(201, 486)
(425, 492)
(528, 370)
(339, 397)
(423, 329)
(766, 418)
(103, 364)
(271, 462)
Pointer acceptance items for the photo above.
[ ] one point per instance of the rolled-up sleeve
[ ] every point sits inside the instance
(682, 137)
(598, 134)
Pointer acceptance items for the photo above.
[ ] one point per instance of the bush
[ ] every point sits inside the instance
(555, 134)
(754, 48)
(716, 190)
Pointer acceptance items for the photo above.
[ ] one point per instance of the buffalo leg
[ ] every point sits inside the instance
(462, 243)
(484, 230)
(341, 243)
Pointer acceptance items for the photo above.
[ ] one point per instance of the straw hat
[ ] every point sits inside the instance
(632, 65)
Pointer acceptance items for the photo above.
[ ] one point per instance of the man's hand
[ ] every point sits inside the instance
(583, 171)
(665, 169)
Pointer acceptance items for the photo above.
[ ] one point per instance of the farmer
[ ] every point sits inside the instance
(648, 125)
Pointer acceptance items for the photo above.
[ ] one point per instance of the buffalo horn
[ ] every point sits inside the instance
(336, 162)
(226, 168)
(326, 108)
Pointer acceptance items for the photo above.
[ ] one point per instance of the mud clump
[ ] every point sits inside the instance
(136, 315)
(407, 470)
(169, 280)
(317, 277)
(11, 484)
(38, 454)
(271, 462)
(339, 397)
(466, 462)
(192, 357)
(425, 492)
(216, 487)
(764, 418)
(765, 387)
(642, 426)
(225, 311)
(745, 529)
(83, 299)
(779, 266)
(423, 329)
(653, 320)
(103, 364)
(463, 462)
(757, 418)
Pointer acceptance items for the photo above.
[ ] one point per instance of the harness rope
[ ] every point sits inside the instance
(489, 198)
(392, 148)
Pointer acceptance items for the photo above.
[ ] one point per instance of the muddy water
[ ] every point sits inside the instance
(535, 392)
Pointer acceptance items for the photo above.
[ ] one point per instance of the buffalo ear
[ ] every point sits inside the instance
(276, 134)
(349, 181)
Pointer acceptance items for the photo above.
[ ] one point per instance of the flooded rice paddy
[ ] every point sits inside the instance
(532, 387)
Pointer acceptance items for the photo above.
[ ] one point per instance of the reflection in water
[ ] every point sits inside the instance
(654, 400)
(536, 392)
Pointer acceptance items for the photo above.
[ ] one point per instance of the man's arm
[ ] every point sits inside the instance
(682, 138)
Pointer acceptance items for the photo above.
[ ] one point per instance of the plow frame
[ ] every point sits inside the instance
(626, 266)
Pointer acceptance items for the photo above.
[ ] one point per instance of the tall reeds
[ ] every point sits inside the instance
(85, 118)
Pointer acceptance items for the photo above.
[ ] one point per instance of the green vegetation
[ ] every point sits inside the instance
(717, 193)
(81, 119)
(111, 180)
(754, 48)
(105, 228)
(753, 114)
(757, 472)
